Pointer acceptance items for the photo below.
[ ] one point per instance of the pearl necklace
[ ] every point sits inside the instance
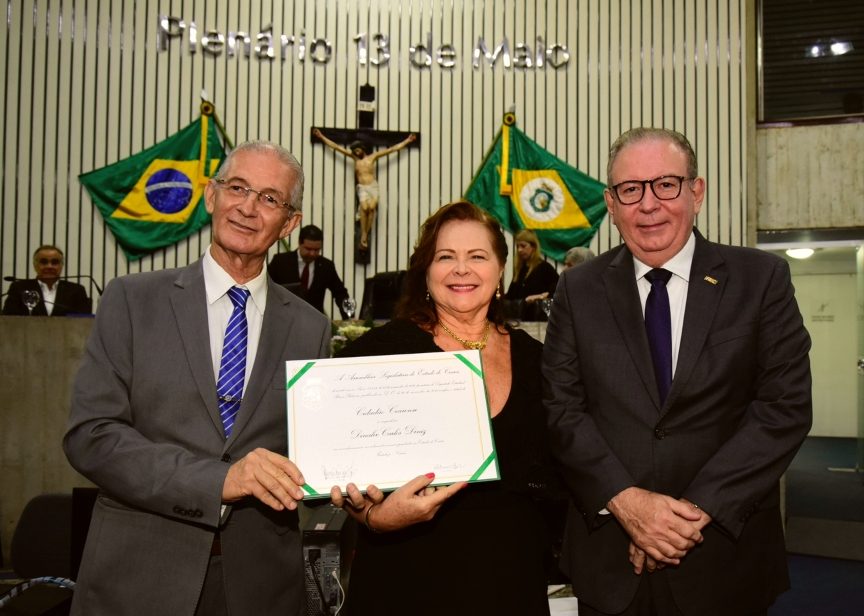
(474, 345)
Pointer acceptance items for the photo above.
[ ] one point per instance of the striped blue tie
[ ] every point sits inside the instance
(232, 369)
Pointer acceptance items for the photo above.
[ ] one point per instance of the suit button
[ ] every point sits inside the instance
(226, 458)
(659, 434)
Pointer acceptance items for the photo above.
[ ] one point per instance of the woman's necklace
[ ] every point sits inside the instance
(474, 345)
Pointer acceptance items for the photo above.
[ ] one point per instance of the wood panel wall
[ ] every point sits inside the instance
(810, 177)
(85, 85)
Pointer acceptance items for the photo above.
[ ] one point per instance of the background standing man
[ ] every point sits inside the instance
(306, 266)
(673, 429)
(364, 174)
(178, 415)
(57, 297)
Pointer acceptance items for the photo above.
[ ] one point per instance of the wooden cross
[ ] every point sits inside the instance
(359, 144)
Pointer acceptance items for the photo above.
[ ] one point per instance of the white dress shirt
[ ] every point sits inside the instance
(49, 295)
(677, 287)
(219, 309)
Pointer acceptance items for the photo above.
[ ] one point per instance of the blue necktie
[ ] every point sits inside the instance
(658, 325)
(232, 369)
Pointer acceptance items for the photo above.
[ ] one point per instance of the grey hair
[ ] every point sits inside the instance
(577, 255)
(295, 199)
(643, 133)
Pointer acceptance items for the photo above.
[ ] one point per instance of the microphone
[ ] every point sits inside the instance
(85, 277)
(74, 276)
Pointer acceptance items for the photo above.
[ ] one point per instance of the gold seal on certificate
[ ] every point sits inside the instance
(384, 420)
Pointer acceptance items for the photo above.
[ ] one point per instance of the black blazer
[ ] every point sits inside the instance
(71, 299)
(284, 268)
(739, 408)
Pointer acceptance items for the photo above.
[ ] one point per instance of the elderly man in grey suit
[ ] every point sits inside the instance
(678, 391)
(178, 415)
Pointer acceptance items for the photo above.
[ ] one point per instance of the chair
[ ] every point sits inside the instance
(40, 554)
(380, 295)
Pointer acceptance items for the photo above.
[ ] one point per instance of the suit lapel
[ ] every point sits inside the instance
(189, 302)
(294, 265)
(275, 329)
(620, 282)
(708, 279)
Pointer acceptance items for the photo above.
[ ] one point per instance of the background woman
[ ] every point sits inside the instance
(475, 549)
(533, 278)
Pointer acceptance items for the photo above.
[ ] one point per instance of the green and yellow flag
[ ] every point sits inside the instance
(156, 198)
(525, 186)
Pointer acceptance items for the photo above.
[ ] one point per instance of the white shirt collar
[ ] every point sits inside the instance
(679, 264)
(217, 282)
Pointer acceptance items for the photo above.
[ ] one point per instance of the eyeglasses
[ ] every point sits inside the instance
(665, 187)
(50, 261)
(239, 192)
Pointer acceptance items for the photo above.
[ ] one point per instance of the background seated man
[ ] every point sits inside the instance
(577, 256)
(57, 297)
(288, 267)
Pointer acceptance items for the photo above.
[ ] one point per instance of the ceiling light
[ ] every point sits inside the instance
(800, 253)
(841, 47)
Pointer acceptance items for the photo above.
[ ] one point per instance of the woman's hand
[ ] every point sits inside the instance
(536, 298)
(355, 503)
(414, 502)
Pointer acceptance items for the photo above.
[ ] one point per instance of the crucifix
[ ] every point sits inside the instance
(359, 145)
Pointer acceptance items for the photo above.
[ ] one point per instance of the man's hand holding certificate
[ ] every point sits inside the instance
(385, 420)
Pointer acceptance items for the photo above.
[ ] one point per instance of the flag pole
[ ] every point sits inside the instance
(209, 110)
(509, 120)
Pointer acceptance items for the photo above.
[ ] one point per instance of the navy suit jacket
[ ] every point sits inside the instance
(71, 299)
(284, 268)
(738, 409)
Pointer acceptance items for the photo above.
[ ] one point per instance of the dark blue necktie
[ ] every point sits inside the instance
(232, 369)
(658, 325)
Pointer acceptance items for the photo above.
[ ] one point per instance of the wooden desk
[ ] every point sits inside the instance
(39, 357)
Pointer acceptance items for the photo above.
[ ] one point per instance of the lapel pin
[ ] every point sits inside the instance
(709, 279)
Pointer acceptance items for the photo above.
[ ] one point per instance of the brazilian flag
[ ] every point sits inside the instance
(156, 198)
(525, 186)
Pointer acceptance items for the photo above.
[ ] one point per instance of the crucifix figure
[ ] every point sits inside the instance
(364, 176)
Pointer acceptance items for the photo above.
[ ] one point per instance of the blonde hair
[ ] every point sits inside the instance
(529, 237)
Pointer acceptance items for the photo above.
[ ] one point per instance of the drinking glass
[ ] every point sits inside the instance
(349, 306)
(30, 299)
(546, 305)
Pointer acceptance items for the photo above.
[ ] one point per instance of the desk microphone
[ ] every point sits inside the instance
(85, 277)
(74, 276)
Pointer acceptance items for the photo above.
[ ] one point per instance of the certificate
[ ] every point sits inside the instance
(384, 420)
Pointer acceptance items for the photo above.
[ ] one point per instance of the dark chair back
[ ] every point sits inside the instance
(42, 542)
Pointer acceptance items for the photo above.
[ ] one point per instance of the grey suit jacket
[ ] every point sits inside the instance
(739, 407)
(145, 428)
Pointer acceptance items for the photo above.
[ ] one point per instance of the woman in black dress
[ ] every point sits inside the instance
(473, 549)
(533, 278)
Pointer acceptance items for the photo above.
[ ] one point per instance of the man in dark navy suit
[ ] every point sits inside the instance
(288, 268)
(673, 459)
(57, 298)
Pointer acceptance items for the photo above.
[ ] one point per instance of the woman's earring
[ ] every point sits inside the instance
(498, 291)
(428, 297)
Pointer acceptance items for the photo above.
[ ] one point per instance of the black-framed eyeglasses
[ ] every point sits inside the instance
(47, 261)
(238, 191)
(665, 187)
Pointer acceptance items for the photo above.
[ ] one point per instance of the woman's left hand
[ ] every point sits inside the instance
(414, 502)
(355, 502)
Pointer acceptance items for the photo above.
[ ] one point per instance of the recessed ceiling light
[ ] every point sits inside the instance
(841, 47)
(800, 253)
